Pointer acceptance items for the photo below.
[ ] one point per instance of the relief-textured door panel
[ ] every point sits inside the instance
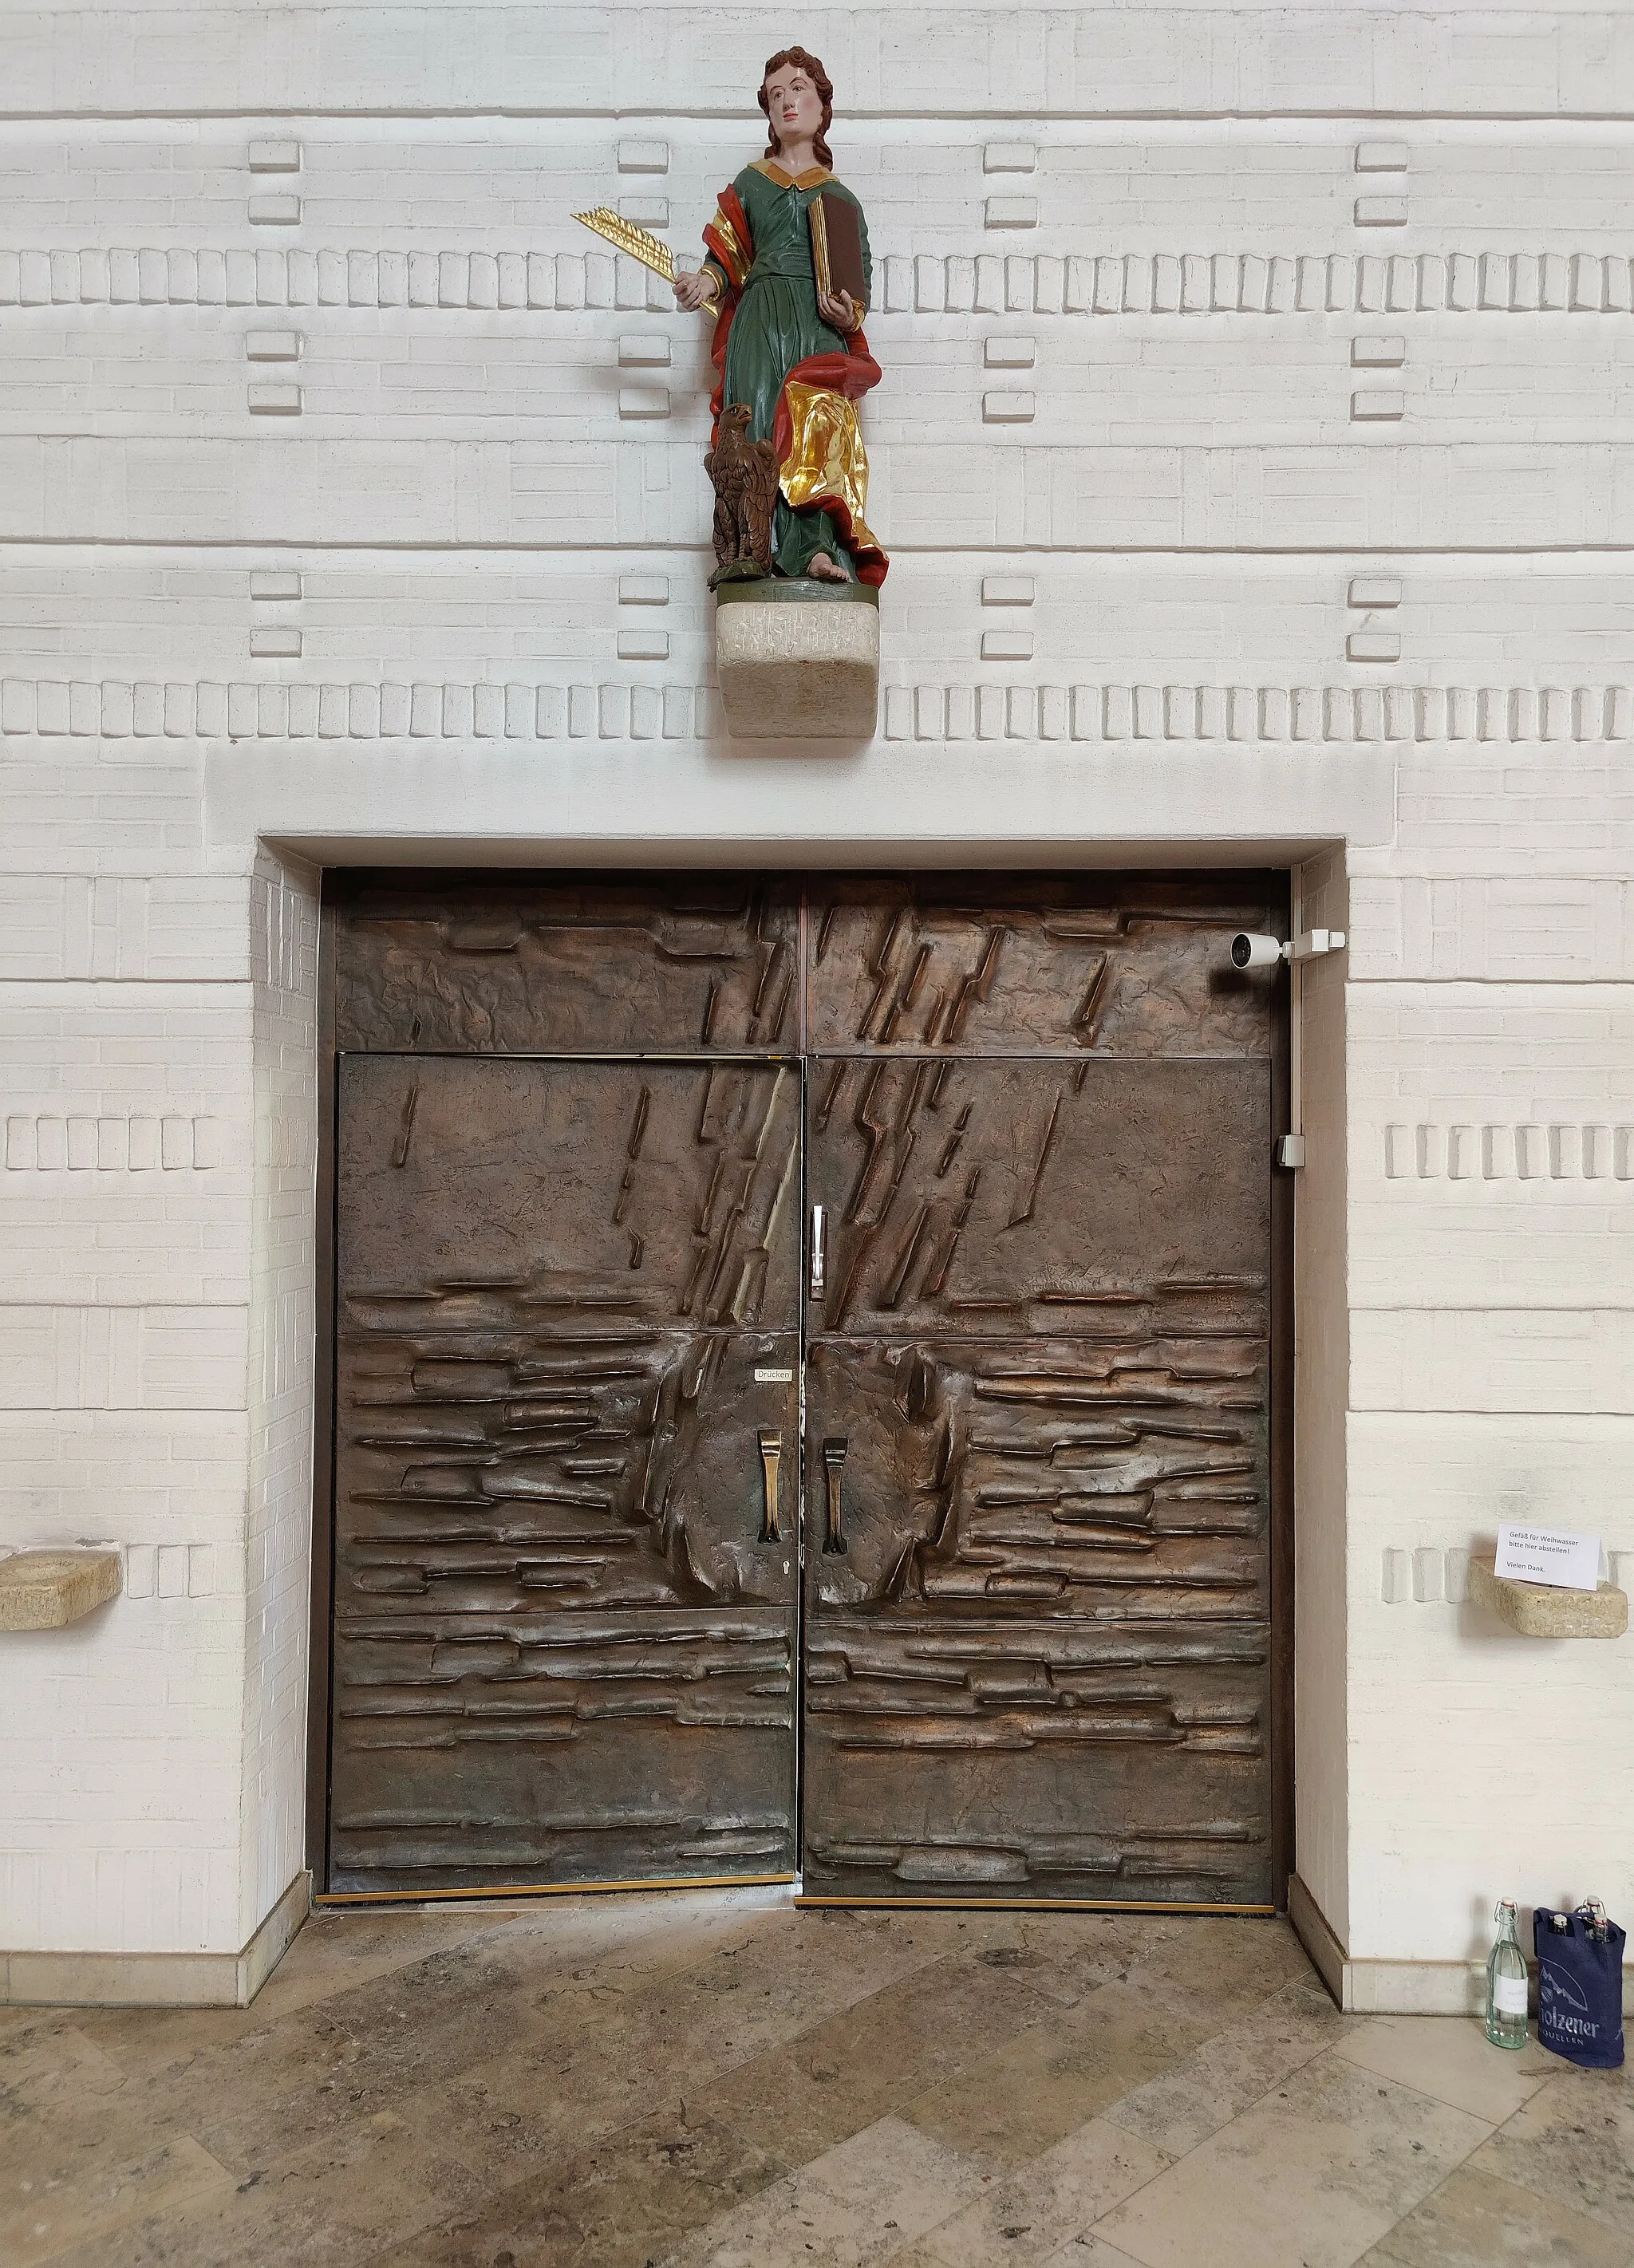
(1007, 964)
(492, 1750)
(562, 1621)
(1038, 1641)
(596, 964)
(977, 1194)
(1039, 1655)
(1066, 1759)
(1117, 1480)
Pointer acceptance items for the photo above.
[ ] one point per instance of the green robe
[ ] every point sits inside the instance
(776, 325)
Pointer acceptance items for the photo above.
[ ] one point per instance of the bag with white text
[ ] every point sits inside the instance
(1580, 1985)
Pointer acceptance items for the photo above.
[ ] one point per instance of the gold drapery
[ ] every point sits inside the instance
(738, 255)
(826, 454)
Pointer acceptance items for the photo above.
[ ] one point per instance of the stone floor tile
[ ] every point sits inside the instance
(1476, 2220)
(1573, 2143)
(1230, 1963)
(326, 2069)
(1308, 2178)
(329, 2067)
(888, 2168)
(1233, 2070)
(1065, 1953)
(869, 2058)
(1054, 2077)
(602, 2083)
(1088, 2251)
(50, 2065)
(329, 2207)
(546, 2099)
(573, 1992)
(43, 2215)
(1450, 2058)
(75, 2155)
(1028, 2215)
(345, 1959)
(627, 2199)
(859, 2203)
(152, 2041)
(338, 1949)
(18, 2016)
(735, 2012)
(646, 1928)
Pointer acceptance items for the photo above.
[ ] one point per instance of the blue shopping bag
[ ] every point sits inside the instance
(1580, 1986)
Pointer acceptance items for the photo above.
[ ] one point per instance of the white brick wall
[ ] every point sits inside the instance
(1321, 1368)
(118, 1737)
(102, 1358)
(1307, 529)
(1478, 1757)
(284, 931)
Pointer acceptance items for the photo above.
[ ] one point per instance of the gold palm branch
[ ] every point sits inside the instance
(640, 243)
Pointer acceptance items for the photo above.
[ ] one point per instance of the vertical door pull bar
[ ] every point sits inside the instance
(771, 1450)
(820, 1251)
(834, 1450)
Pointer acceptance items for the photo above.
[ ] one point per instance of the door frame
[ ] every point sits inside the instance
(336, 888)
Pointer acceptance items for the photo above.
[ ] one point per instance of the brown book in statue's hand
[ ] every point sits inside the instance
(837, 247)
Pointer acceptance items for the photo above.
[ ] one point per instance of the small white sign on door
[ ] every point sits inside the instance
(1548, 1555)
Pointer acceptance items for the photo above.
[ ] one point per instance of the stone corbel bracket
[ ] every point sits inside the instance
(1537, 1610)
(46, 1590)
(798, 661)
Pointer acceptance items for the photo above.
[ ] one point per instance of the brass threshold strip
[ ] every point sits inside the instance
(768, 1881)
(549, 1889)
(1039, 1905)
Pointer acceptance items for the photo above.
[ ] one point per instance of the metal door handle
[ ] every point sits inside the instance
(772, 1451)
(834, 1450)
(820, 1250)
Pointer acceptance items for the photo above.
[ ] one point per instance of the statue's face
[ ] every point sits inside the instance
(794, 104)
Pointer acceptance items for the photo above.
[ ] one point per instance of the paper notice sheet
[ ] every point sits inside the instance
(1548, 1555)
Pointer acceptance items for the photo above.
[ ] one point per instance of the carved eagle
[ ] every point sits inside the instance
(745, 475)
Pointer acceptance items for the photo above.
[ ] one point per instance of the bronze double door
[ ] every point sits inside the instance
(803, 1387)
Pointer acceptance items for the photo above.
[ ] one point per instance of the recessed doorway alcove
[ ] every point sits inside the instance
(941, 1204)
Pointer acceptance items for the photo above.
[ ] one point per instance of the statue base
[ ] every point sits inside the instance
(798, 661)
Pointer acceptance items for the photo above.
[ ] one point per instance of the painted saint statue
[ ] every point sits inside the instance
(787, 349)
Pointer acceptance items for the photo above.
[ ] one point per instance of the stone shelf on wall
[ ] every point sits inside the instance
(798, 661)
(1538, 1610)
(48, 1590)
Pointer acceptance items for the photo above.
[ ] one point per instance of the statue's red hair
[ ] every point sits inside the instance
(824, 86)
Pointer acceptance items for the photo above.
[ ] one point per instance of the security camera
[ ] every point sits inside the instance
(1250, 951)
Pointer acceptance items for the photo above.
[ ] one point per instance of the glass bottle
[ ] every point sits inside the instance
(1506, 1982)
